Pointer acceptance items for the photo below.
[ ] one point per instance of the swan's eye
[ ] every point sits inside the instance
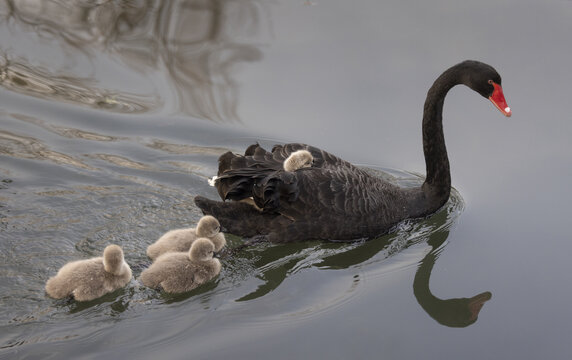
(491, 82)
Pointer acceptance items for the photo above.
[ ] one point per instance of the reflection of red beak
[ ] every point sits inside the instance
(497, 98)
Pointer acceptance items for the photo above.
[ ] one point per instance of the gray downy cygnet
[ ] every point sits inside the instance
(181, 239)
(178, 272)
(298, 160)
(92, 278)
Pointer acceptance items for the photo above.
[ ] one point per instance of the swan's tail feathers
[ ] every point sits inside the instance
(241, 218)
(224, 162)
(269, 191)
(252, 149)
(255, 157)
(234, 188)
(238, 184)
(266, 186)
(260, 171)
(230, 161)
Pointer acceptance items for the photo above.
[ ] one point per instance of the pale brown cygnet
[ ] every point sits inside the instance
(92, 278)
(181, 239)
(178, 272)
(298, 160)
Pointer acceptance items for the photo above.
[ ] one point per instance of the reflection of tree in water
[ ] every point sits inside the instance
(18, 76)
(196, 41)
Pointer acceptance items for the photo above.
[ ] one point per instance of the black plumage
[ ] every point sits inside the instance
(333, 199)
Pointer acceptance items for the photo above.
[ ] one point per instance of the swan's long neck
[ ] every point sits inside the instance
(437, 186)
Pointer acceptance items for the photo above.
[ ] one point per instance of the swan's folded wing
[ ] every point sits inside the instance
(255, 157)
(342, 193)
(259, 174)
(321, 158)
(309, 193)
(238, 184)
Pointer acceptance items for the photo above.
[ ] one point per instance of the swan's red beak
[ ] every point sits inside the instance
(497, 98)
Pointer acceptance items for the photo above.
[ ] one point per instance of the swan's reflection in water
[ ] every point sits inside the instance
(274, 263)
(454, 312)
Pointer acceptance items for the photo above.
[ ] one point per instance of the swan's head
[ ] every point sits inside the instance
(298, 159)
(202, 249)
(208, 226)
(113, 259)
(485, 80)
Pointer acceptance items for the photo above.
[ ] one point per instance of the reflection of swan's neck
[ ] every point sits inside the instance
(457, 312)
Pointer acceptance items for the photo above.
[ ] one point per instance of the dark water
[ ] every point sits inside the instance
(112, 117)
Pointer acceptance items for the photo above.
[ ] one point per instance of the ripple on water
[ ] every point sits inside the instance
(263, 286)
(18, 75)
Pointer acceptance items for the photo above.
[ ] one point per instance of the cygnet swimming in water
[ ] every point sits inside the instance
(298, 160)
(178, 272)
(92, 278)
(181, 239)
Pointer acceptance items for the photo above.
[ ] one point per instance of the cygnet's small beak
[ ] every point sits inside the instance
(216, 254)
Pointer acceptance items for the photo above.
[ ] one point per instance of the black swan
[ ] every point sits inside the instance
(333, 199)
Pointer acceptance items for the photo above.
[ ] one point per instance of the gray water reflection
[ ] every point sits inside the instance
(194, 45)
(19, 76)
(455, 312)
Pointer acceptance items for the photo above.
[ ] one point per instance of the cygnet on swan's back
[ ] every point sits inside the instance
(92, 278)
(178, 272)
(298, 160)
(181, 239)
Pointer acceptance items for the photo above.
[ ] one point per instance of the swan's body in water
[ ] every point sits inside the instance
(333, 199)
(178, 272)
(298, 160)
(92, 278)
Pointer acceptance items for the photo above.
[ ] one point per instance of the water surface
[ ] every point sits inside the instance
(113, 115)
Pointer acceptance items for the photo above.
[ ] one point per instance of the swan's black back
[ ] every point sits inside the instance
(332, 200)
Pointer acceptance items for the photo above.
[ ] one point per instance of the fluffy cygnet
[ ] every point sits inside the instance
(178, 272)
(181, 239)
(298, 159)
(92, 278)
